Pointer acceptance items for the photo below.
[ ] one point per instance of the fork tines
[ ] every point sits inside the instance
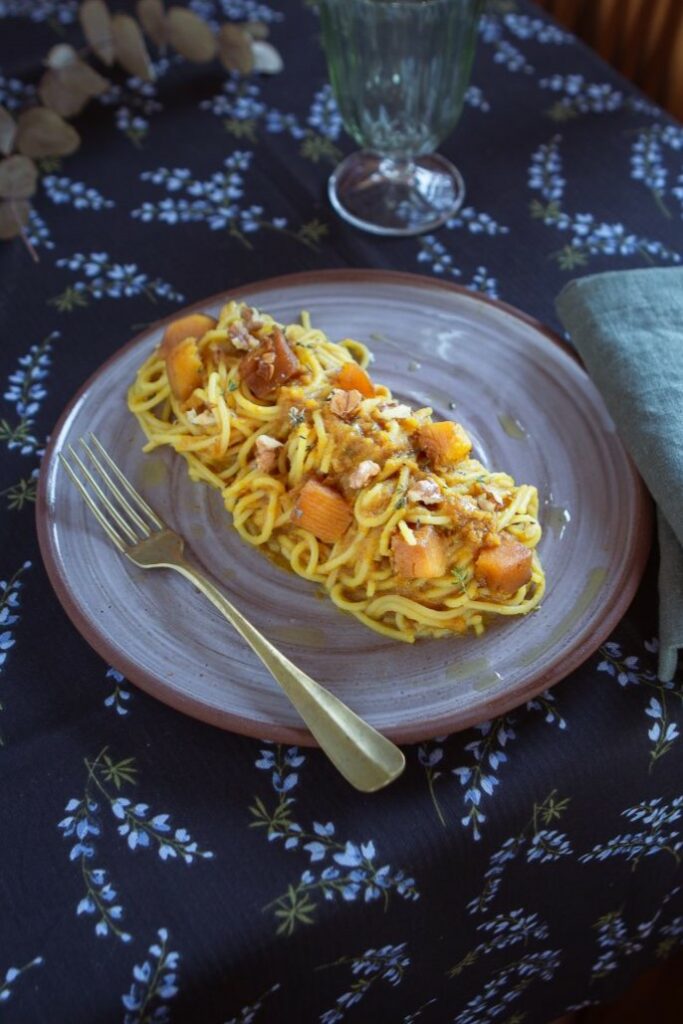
(124, 525)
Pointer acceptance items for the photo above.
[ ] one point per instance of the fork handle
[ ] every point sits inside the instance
(364, 757)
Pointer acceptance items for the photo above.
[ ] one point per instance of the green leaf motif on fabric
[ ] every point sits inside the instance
(317, 147)
(338, 869)
(239, 129)
(21, 493)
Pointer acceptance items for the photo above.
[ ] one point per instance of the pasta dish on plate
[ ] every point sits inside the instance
(332, 477)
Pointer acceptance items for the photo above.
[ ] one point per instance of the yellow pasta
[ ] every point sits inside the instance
(332, 477)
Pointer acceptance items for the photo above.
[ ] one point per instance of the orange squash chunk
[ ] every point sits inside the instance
(444, 442)
(424, 560)
(353, 377)
(323, 511)
(193, 326)
(506, 568)
(184, 368)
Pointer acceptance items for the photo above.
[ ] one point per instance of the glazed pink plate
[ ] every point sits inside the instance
(530, 409)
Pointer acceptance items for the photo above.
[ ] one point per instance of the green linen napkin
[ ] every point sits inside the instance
(628, 328)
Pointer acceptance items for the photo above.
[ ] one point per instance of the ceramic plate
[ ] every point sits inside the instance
(530, 410)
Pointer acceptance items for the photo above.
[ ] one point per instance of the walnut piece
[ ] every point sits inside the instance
(344, 403)
(362, 473)
(495, 495)
(266, 452)
(426, 492)
(394, 412)
(241, 338)
(201, 419)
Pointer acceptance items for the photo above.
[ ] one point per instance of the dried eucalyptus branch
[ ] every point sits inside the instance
(69, 83)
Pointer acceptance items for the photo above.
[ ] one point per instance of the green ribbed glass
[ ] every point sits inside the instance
(399, 70)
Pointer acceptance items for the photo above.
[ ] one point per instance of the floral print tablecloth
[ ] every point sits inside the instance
(155, 869)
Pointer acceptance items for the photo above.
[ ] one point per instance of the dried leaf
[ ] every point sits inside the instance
(153, 20)
(81, 76)
(190, 36)
(42, 132)
(129, 47)
(96, 23)
(67, 90)
(234, 49)
(56, 94)
(266, 59)
(13, 217)
(255, 29)
(8, 131)
(18, 177)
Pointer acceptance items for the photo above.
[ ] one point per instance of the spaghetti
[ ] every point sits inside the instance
(332, 477)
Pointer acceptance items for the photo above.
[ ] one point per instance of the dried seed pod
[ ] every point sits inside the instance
(42, 132)
(61, 56)
(130, 49)
(153, 19)
(8, 131)
(96, 23)
(14, 214)
(267, 61)
(190, 36)
(235, 49)
(18, 177)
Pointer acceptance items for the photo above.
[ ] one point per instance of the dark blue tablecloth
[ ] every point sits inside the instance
(153, 868)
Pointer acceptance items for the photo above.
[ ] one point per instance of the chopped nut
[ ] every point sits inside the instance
(344, 403)
(241, 338)
(362, 473)
(201, 419)
(495, 494)
(467, 503)
(485, 504)
(266, 448)
(394, 412)
(426, 492)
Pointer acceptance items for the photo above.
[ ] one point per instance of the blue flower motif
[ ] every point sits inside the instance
(62, 11)
(215, 201)
(387, 964)
(588, 237)
(474, 97)
(9, 599)
(14, 93)
(105, 279)
(140, 828)
(154, 984)
(26, 391)
(656, 839)
(648, 163)
(324, 115)
(235, 10)
(120, 695)
(581, 97)
(12, 974)
(74, 193)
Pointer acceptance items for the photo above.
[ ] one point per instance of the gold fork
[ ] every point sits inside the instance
(364, 757)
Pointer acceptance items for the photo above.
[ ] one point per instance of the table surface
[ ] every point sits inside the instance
(155, 868)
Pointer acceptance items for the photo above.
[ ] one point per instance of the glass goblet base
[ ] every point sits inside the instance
(396, 197)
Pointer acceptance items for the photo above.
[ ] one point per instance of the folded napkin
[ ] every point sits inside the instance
(628, 328)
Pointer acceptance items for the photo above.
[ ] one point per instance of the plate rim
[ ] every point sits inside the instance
(623, 588)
